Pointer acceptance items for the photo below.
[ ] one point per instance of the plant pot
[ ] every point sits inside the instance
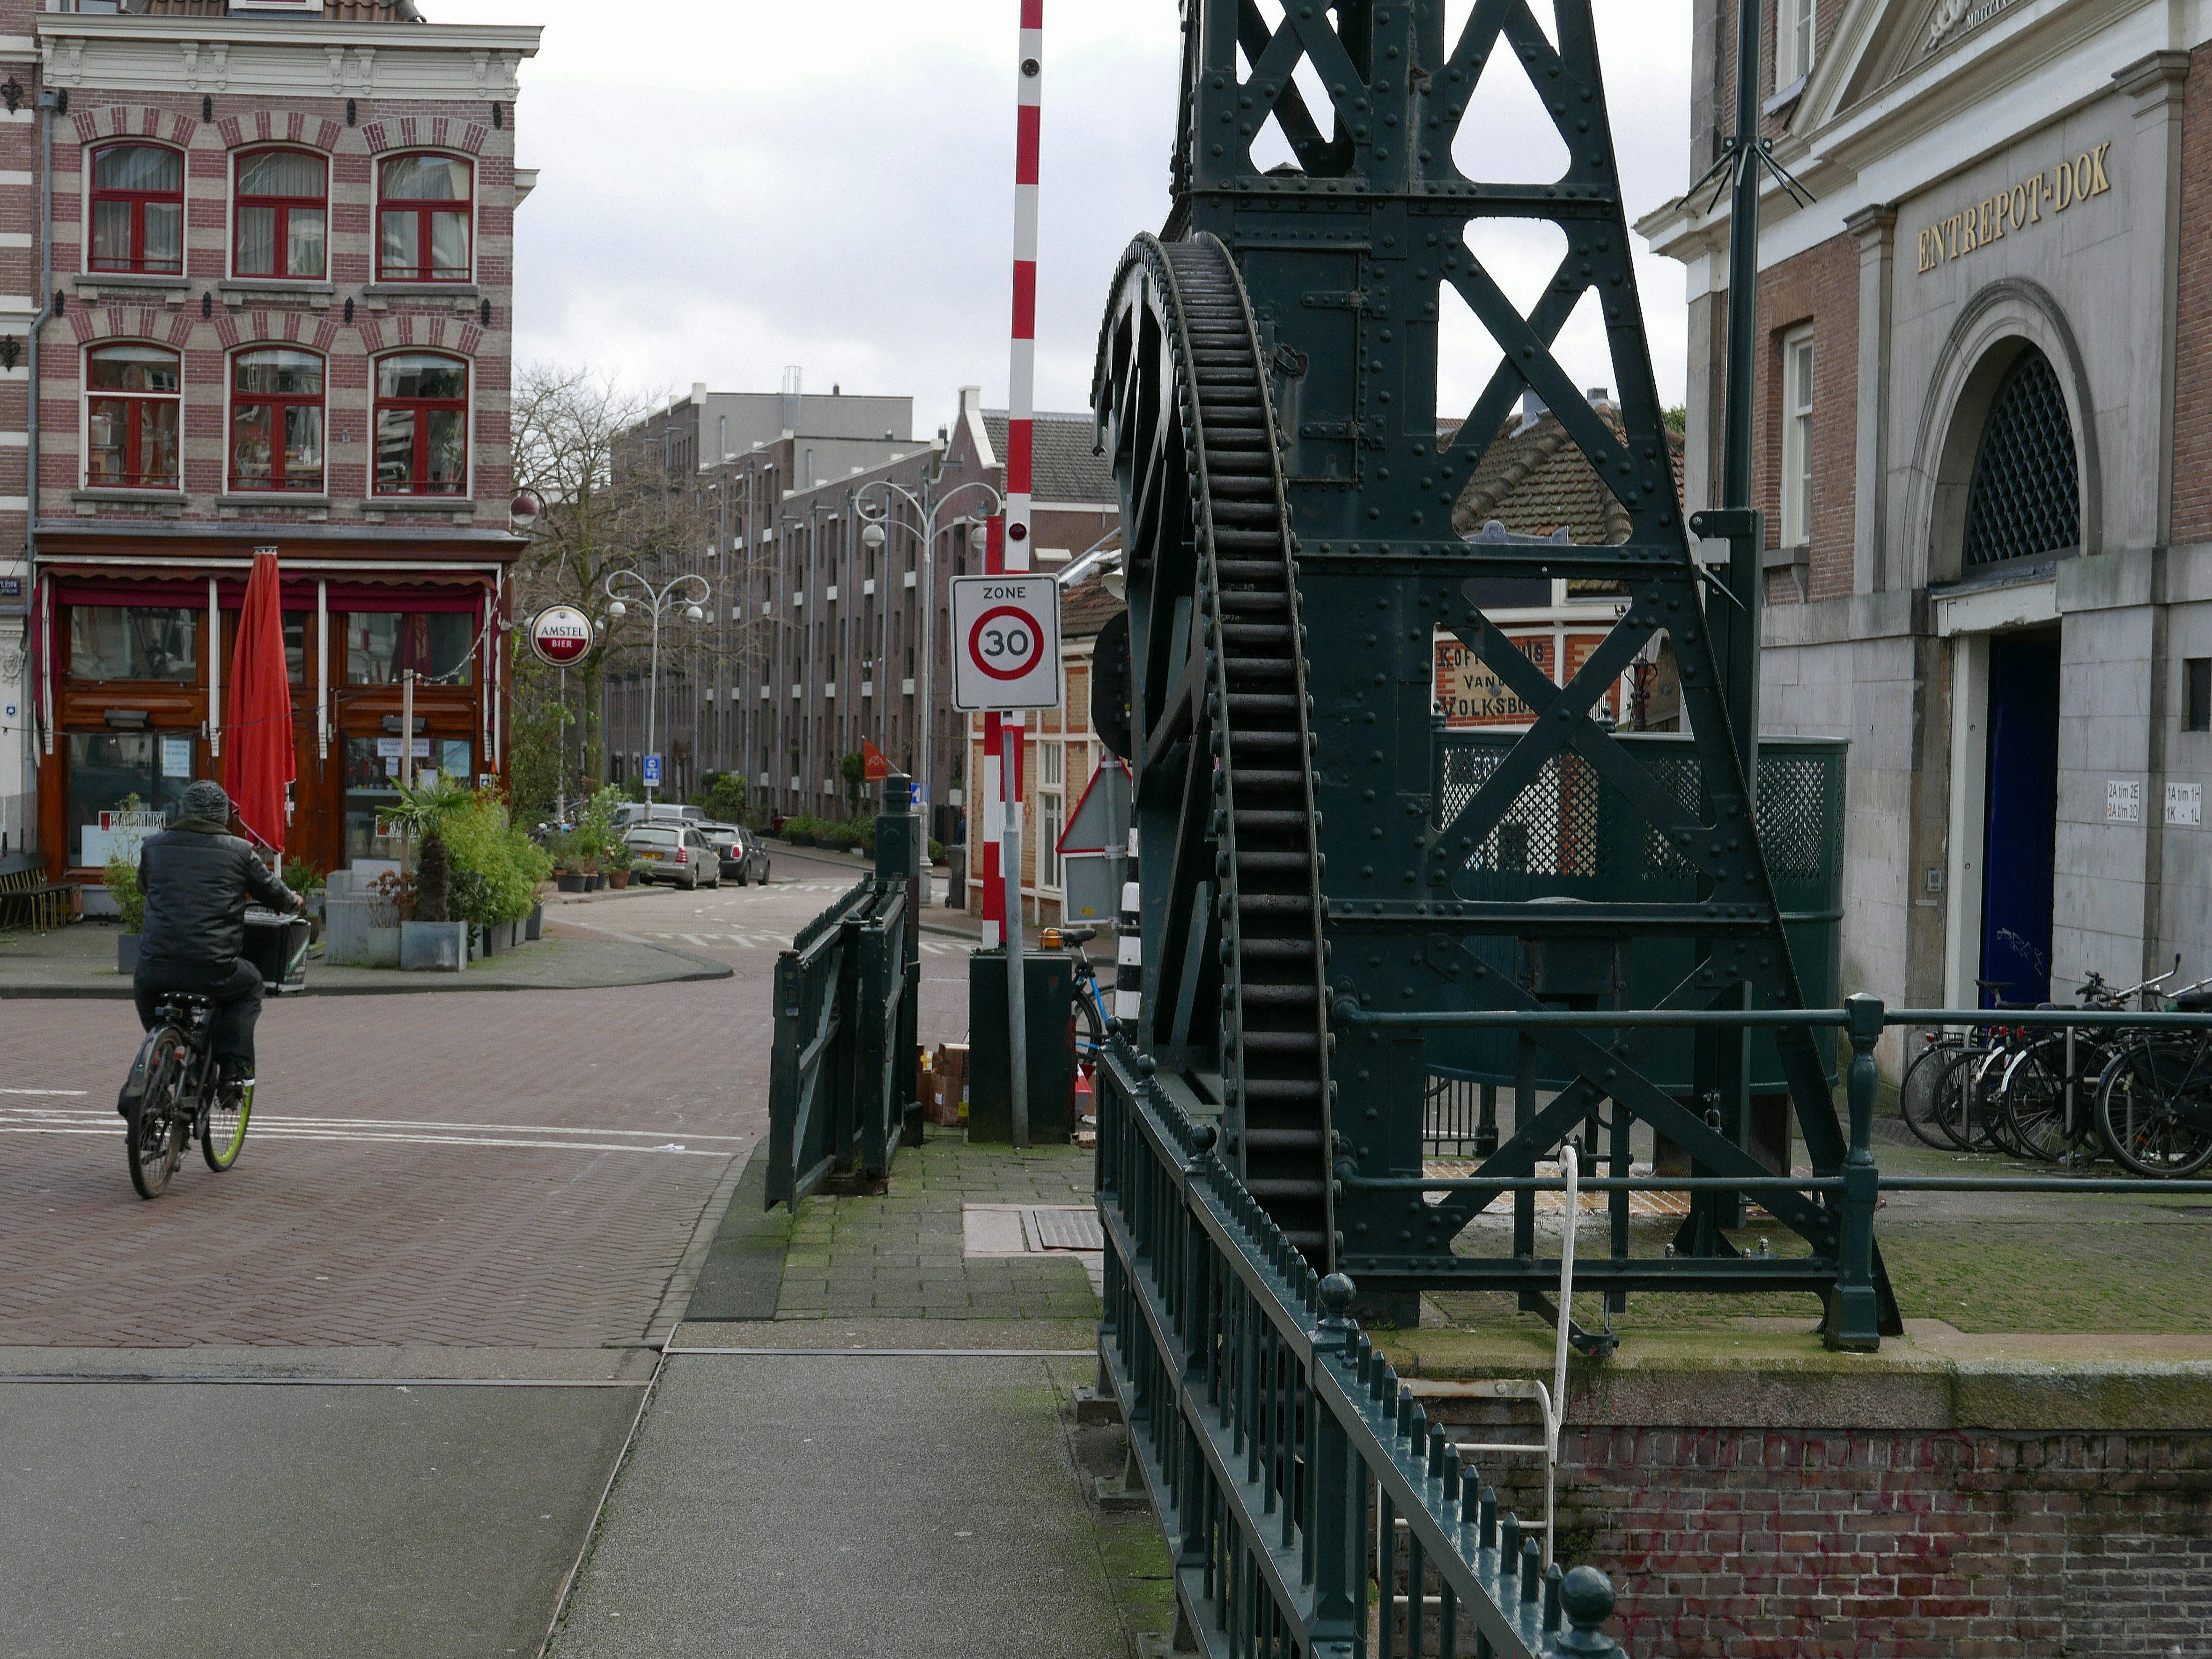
(433, 947)
(478, 946)
(598, 881)
(570, 881)
(345, 933)
(617, 879)
(535, 926)
(384, 947)
(126, 953)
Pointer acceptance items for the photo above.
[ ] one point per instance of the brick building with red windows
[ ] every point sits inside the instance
(271, 308)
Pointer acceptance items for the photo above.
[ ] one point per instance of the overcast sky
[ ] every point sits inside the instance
(729, 186)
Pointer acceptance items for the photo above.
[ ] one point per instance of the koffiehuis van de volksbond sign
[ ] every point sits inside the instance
(2020, 208)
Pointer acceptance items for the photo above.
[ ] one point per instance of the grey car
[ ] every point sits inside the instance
(677, 853)
(744, 858)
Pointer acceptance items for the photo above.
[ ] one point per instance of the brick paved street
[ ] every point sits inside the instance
(520, 1169)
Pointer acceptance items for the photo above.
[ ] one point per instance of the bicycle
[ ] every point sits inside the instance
(173, 1097)
(1940, 1097)
(2155, 1097)
(2048, 1088)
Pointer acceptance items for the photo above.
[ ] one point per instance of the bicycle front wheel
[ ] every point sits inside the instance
(2145, 1129)
(154, 1130)
(222, 1127)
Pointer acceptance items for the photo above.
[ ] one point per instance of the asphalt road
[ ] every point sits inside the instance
(435, 1188)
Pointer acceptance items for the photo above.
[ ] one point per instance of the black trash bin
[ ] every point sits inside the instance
(1049, 1007)
(278, 945)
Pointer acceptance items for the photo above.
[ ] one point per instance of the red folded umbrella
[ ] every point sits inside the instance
(260, 764)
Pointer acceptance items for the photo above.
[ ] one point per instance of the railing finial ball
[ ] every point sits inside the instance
(1146, 1065)
(1202, 1137)
(1336, 1293)
(1587, 1596)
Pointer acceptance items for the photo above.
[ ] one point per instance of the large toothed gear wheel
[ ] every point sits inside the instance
(1234, 961)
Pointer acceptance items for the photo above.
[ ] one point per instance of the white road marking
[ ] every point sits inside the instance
(44, 1092)
(113, 1126)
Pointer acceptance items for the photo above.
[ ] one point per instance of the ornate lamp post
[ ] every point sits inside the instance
(661, 601)
(875, 516)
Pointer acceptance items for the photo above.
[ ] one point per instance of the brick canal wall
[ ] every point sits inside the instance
(1896, 1509)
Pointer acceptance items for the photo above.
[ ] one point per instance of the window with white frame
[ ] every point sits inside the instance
(1798, 437)
(1793, 41)
(1052, 811)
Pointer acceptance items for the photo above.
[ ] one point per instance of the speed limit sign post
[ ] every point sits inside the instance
(1005, 638)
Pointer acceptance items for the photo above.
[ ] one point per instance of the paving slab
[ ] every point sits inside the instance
(821, 1506)
(390, 1521)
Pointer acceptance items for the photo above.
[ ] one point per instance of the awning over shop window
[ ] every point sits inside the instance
(359, 591)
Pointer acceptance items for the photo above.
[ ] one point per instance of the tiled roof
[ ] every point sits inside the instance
(1534, 480)
(1062, 467)
(1087, 607)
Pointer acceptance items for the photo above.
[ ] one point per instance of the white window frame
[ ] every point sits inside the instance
(1800, 364)
(475, 165)
(85, 394)
(1051, 810)
(230, 415)
(182, 278)
(1795, 23)
(237, 159)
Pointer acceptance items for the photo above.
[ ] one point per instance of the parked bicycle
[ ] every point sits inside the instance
(2049, 1089)
(172, 1097)
(2154, 1097)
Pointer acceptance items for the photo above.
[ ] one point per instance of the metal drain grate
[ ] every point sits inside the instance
(1063, 1230)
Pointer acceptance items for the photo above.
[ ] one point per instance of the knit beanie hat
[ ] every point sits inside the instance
(203, 798)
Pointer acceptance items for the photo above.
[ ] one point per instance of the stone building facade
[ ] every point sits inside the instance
(269, 305)
(1982, 415)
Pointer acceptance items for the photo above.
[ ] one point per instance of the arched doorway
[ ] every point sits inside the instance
(2023, 508)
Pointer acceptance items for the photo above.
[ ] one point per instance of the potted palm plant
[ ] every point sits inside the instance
(433, 939)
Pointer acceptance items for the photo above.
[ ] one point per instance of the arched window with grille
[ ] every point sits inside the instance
(281, 214)
(131, 417)
(276, 420)
(2024, 500)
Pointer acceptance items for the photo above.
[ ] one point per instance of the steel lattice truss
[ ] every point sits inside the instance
(1267, 385)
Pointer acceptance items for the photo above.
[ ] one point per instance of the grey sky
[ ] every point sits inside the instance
(731, 185)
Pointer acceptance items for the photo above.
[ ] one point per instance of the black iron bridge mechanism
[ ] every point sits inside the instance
(1266, 388)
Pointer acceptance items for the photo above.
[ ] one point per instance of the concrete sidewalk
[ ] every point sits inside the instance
(79, 960)
(863, 1441)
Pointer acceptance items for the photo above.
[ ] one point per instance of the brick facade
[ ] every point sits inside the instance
(359, 558)
(2193, 390)
(1819, 286)
(1839, 1544)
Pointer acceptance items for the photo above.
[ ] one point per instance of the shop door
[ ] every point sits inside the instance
(2020, 833)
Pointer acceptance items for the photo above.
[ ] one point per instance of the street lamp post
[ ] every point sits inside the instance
(662, 600)
(872, 533)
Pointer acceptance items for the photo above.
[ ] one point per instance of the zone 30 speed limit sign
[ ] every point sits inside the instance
(1005, 642)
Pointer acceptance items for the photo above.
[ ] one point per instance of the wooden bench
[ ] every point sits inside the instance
(27, 899)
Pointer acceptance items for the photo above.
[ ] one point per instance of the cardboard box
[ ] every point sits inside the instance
(944, 1088)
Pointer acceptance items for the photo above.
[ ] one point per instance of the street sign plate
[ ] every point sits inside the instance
(652, 770)
(1005, 636)
(561, 634)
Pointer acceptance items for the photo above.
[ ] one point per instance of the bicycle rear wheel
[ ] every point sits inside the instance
(154, 1130)
(222, 1127)
(2035, 1104)
(1917, 1095)
(2139, 1123)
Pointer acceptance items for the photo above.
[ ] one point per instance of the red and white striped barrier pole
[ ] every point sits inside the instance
(1009, 549)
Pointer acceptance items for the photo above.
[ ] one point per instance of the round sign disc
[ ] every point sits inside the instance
(1005, 642)
(561, 634)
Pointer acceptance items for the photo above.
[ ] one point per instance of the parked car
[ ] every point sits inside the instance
(675, 853)
(743, 858)
(632, 813)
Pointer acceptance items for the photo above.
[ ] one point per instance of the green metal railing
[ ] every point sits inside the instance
(1283, 1457)
(1849, 1194)
(842, 1075)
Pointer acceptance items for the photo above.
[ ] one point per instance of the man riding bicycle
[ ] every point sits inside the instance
(197, 879)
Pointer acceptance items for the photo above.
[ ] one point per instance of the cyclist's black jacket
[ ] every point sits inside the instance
(196, 879)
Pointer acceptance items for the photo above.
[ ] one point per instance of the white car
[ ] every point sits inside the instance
(674, 852)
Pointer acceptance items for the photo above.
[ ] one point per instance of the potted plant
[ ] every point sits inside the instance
(303, 879)
(433, 939)
(392, 902)
(129, 900)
